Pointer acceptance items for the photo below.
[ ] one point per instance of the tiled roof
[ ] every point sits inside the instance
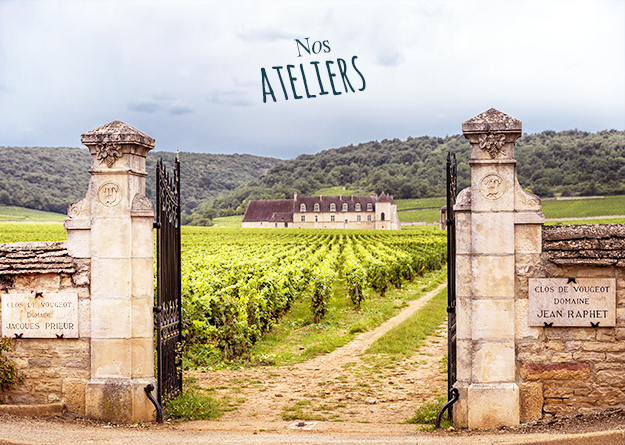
(386, 198)
(274, 210)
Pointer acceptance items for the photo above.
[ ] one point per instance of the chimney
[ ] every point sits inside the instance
(295, 196)
(320, 197)
(340, 196)
(352, 196)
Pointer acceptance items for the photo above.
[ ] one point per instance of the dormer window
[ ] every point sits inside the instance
(345, 207)
(316, 207)
(332, 207)
(302, 207)
(358, 208)
(369, 207)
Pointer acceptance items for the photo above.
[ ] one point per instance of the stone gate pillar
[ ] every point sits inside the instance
(113, 225)
(487, 215)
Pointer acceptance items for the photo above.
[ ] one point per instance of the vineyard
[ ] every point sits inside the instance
(237, 283)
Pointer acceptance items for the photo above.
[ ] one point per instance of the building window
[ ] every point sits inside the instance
(345, 207)
(358, 218)
(382, 216)
(369, 218)
(358, 208)
(276, 224)
(302, 207)
(315, 218)
(332, 218)
(302, 218)
(333, 207)
(345, 220)
(316, 207)
(369, 207)
(286, 224)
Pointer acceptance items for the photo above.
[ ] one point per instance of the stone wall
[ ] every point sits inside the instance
(571, 369)
(54, 370)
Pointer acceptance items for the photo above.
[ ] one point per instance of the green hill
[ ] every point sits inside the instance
(50, 179)
(568, 163)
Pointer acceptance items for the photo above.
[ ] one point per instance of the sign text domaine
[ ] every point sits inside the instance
(40, 315)
(582, 302)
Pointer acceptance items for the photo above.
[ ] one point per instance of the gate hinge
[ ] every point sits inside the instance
(451, 309)
(157, 309)
(157, 224)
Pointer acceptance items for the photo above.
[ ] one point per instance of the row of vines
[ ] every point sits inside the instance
(237, 283)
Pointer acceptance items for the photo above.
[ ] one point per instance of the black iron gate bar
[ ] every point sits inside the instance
(168, 307)
(452, 393)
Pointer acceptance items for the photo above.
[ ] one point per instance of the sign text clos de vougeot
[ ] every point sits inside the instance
(317, 47)
(582, 302)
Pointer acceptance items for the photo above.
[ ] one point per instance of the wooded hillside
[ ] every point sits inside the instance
(45, 178)
(569, 163)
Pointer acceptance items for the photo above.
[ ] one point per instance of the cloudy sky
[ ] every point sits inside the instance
(189, 73)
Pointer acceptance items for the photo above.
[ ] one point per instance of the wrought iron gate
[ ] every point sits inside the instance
(452, 393)
(451, 272)
(168, 299)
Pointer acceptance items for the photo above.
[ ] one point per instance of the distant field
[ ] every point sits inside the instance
(21, 214)
(430, 215)
(422, 203)
(574, 208)
(37, 231)
(610, 205)
(228, 222)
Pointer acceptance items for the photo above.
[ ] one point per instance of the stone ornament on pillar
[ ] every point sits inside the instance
(108, 153)
(493, 186)
(110, 193)
(492, 143)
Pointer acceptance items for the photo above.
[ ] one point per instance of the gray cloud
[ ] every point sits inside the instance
(390, 58)
(180, 109)
(232, 98)
(145, 106)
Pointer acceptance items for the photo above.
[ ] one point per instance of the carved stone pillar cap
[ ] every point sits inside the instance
(117, 132)
(492, 121)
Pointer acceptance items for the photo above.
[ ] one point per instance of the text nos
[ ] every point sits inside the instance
(307, 84)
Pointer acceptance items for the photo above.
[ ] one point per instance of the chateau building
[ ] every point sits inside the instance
(324, 212)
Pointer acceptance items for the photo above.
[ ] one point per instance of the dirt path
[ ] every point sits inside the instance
(345, 385)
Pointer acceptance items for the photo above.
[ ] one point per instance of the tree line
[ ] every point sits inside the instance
(566, 163)
(51, 178)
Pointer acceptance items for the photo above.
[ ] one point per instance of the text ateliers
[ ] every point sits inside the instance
(344, 71)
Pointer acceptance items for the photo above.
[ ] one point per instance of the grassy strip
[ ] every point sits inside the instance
(406, 338)
(295, 338)
(426, 414)
(193, 404)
